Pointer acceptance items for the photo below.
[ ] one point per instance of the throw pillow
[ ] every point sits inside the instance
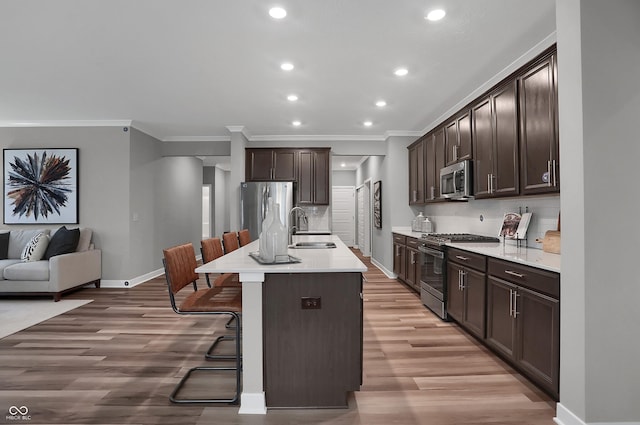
(4, 246)
(35, 248)
(63, 241)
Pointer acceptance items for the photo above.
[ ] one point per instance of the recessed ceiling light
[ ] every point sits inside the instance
(367, 123)
(343, 165)
(381, 103)
(277, 12)
(287, 66)
(292, 98)
(296, 123)
(401, 72)
(435, 15)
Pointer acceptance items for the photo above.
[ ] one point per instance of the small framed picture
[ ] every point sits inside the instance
(40, 186)
(377, 204)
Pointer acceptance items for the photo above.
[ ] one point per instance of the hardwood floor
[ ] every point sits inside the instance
(116, 359)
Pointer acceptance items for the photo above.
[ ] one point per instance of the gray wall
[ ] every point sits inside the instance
(599, 59)
(104, 183)
(343, 178)
(135, 201)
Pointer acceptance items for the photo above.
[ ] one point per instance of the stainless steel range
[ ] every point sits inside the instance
(433, 269)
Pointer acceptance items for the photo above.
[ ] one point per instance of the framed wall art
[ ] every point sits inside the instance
(40, 186)
(377, 204)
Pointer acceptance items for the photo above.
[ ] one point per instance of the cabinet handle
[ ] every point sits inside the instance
(397, 251)
(553, 172)
(454, 152)
(463, 274)
(492, 178)
(460, 257)
(413, 257)
(512, 273)
(549, 182)
(515, 304)
(459, 281)
(489, 183)
(510, 302)
(433, 192)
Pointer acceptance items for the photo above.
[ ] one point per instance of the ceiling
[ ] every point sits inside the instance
(189, 69)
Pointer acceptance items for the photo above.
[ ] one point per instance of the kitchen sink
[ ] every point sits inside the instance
(313, 245)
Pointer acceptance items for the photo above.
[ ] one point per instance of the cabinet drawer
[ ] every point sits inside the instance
(469, 259)
(399, 239)
(529, 277)
(413, 242)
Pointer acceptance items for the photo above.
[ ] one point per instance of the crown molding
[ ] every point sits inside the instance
(197, 139)
(67, 123)
(316, 138)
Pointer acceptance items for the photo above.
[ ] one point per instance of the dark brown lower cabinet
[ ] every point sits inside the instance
(523, 320)
(466, 290)
(312, 356)
(400, 256)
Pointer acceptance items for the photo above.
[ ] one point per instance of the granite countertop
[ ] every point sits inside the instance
(507, 251)
(332, 260)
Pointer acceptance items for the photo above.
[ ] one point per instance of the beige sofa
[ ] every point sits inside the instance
(55, 276)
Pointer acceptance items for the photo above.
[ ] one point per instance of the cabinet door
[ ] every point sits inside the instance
(451, 141)
(538, 323)
(474, 301)
(431, 178)
(538, 134)
(439, 159)
(284, 164)
(501, 326)
(399, 260)
(410, 268)
(321, 187)
(464, 150)
(305, 178)
(483, 148)
(455, 294)
(417, 173)
(258, 164)
(506, 169)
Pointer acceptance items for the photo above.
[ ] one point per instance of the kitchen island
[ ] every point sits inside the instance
(302, 325)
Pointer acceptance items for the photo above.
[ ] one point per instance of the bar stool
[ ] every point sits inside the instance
(211, 249)
(230, 241)
(244, 237)
(180, 264)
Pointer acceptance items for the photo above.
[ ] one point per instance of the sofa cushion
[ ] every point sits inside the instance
(4, 246)
(35, 248)
(63, 241)
(85, 239)
(33, 270)
(6, 263)
(19, 238)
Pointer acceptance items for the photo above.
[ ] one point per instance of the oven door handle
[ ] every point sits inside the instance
(430, 251)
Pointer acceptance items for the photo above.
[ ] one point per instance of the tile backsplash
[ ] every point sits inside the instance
(319, 217)
(484, 216)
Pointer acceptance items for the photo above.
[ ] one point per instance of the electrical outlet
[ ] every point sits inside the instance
(311, 303)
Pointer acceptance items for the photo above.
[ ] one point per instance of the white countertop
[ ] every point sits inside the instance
(508, 252)
(332, 260)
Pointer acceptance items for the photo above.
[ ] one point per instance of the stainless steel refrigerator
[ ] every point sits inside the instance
(253, 203)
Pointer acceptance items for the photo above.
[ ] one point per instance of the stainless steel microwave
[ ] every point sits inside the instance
(455, 181)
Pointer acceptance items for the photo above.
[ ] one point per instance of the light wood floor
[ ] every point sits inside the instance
(115, 361)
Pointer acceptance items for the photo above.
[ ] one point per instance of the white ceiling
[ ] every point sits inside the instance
(187, 69)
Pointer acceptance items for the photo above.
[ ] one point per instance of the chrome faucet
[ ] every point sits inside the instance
(293, 226)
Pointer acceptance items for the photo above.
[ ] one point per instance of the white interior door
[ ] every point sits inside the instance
(343, 213)
(364, 218)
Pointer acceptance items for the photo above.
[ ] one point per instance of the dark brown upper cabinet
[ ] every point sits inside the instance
(271, 164)
(495, 143)
(458, 138)
(313, 177)
(540, 166)
(417, 178)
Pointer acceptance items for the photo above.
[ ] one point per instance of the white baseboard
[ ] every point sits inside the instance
(130, 283)
(387, 273)
(252, 404)
(566, 417)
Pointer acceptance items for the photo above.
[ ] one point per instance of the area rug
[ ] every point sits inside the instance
(18, 314)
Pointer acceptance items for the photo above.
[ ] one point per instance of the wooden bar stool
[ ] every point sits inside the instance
(180, 264)
(230, 241)
(244, 237)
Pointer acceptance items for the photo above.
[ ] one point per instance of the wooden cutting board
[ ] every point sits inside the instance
(551, 241)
